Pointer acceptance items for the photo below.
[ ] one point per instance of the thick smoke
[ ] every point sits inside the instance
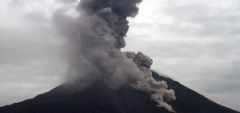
(96, 37)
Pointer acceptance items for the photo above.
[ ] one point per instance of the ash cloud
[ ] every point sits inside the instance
(95, 39)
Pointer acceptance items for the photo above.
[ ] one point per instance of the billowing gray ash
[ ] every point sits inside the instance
(96, 37)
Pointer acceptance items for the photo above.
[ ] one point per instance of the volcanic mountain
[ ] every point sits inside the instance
(99, 98)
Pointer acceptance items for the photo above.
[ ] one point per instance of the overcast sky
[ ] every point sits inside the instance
(196, 42)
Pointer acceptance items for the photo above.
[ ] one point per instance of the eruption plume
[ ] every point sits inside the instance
(96, 37)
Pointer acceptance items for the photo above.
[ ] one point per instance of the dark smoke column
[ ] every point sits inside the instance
(115, 13)
(96, 38)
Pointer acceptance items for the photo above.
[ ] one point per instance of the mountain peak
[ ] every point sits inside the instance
(99, 98)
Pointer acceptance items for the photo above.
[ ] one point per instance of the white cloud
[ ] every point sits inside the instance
(31, 56)
(195, 42)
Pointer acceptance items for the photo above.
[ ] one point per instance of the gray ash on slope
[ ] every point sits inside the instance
(96, 37)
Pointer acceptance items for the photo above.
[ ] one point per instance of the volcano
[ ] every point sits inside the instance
(99, 98)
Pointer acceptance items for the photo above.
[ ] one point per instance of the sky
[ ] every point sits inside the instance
(195, 42)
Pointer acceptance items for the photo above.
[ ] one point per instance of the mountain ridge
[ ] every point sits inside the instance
(98, 98)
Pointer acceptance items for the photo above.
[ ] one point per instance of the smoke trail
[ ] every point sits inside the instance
(96, 37)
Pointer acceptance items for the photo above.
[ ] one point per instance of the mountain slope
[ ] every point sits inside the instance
(189, 101)
(98, 98)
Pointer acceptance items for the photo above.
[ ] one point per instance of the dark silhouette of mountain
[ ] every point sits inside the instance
(98, 98)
